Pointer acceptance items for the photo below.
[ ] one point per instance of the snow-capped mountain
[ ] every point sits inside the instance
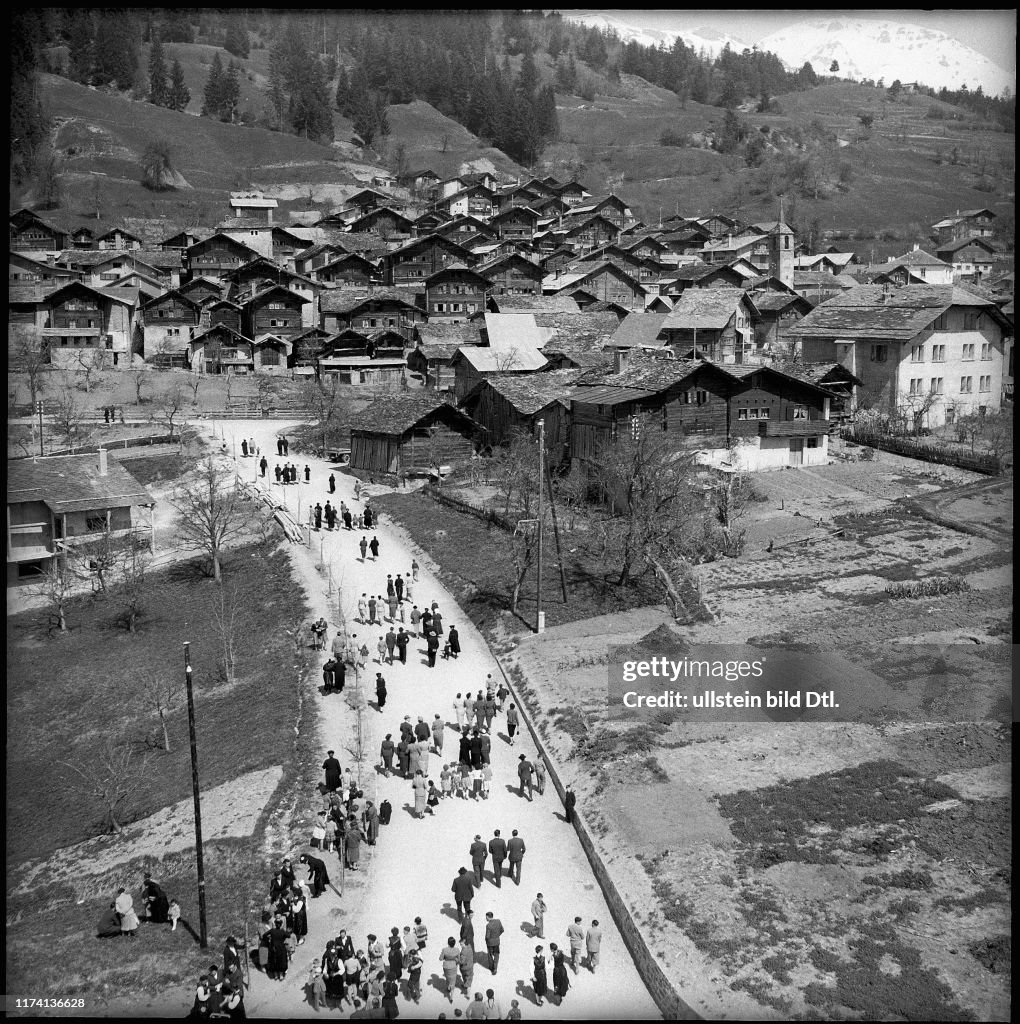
(886, 50)
(709, 39)
(863, 48)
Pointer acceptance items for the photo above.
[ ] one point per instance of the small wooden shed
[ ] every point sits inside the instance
(406, 433)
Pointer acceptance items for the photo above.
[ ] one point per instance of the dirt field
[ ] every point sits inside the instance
(820, 870)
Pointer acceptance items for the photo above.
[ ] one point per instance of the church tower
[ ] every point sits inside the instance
(781, 249)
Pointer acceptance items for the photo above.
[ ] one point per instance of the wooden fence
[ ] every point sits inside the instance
(928, 451)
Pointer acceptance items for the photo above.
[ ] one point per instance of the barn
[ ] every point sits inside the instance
(408, 433)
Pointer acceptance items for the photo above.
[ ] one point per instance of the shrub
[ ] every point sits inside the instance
(934, 586)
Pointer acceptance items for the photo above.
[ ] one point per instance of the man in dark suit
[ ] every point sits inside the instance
(463, 890)
(493, 930)
(497, 847)
(515, 850)
(478, 855)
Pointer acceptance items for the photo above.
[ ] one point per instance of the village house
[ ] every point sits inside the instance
(348, 271)
(775, 313)
(353, 357)
(410, 434)
(515, 222)
(502, 404)
(475, 200)
(80, 318)
(455, 293)
(221, 311)
(712, 323)
(409, 265)
(29, 231)
(259, 274)
(972, 259)
(168, 322)
(252, 205)
(251, 231)
(285, 245)
(25, 269)
(965, 224)
(221, 350)
(460, 229)
(58, 504)
(437, 345)
(513, 344)
(275, 311)
(925, 354)
(385, 222)
(698, 275)
(512, 274)
(372, 310)
(216, 256)
(308, 347)
(601, 279)
(610, 207)
(83, 238)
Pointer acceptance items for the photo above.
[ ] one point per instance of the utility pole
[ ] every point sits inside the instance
(39, 408)
(540, 616)
(203, 940)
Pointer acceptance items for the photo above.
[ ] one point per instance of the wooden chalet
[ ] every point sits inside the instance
(24, 269)
(353, 357)
(285, 245)
(515, 222)
(118, 239)
(216, 256)
(411, 264)
(348, 271)
(83, 238)
(221, 311)
(406, 434)
(455, 293)
(309, 260)
(168, 323)
(512, 274)
(58, 503)
(603, 280)
(461, 228)
(221, 350)
(30, 231)
(309, 346)
(505, 403)
(436, 348)
(712, 323)
(275, 310)
(386, 222)
(371, 310)
(775, 312)
(79, 317)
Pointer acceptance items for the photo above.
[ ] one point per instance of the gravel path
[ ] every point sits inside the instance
(409, 872)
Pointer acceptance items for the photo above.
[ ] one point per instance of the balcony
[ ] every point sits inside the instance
(792, 428)
(76, 332)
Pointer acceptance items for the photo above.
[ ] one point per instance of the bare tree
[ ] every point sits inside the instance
(112, 776)
(195, 382)
(212, 512)
(332, 410)
(96, 196)
(90, 364)
(162, 692)
(142, 382)
(224, 612)
(516, 478)
(137, 589)
(56, 587)
(100, 557)
(169, 405)
(30, 355)
(68, 413)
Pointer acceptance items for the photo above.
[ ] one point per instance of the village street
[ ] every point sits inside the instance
(410, 871)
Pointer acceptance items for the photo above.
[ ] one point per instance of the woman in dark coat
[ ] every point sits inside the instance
(540, 982)
(465, 749)
(299, 913)
(317, 874)
(276, 938)
(277, 887)
(380, 690)
(560, 980)
(476, 750)
(389, 1000)
(353, 845)
(156, 904)
(386, 752)
(396, 955)
(404, 757)
(453, 640)
(373, 545)
(109, 924)
(369, 520)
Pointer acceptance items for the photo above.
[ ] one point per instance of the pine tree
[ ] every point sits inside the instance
(159, 89)
(343, 92)
(179, 96)
(236, 39)
(212, 97)
(79, 46)
(116, 50)
(231, 92)
(29, 124)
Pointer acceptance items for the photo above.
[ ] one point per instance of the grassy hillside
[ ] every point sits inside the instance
(894, 179)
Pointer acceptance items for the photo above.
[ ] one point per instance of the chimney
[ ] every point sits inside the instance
(916, 246)
(621, 356)
(102, 462)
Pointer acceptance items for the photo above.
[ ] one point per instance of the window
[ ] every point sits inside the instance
(800, 412)
(970, 321)
(916, 385)
(936, 386)
(440, 307)
(812, 442)
(742, 414)
(763, 412)
(277, 305)
(879, 353)
(986, 351)
(966, 385)
(701, 396)
(941, 323)
(917, 353)
(985, 383)
(938, 353)
(968, 352)
(95, 524)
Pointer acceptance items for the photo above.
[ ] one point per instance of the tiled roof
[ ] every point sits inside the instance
(345, 300)
(587, 330)
(534, 303)
(639, 329)
(709, 308)
(397, 413)
(528, 393)
(71, 483)
(450, 334)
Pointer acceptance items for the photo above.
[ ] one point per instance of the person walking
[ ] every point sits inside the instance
(398, 587)
(538, 909)
(493, 930)
(415, 620)
(438, 727)
(380, 690)
(489, 710)
(463, 889)
(501, 695)
(391, 590)
(414, 569)
(381, 649)
(449, 960)
(593, 943)
(486, 741)
(513, 720)
(575, 932)
(421, 794)
(402, 642)
(404, 757)
(263, 466)
(332, 484)
(433, 648)
(467, 929)
(515, 854)
(539, 767)
(458, 711)
(391, 604)
(391, 644)
(363, 545)
(371, 610)
(437, 621)
(478, 853)
(539, 981)
(386, 752)
(524, 774)
(408, 587)
(453, 642)
(466, 962)
(348, 519)
(374, 547)
(414, 966)
(498, 850)
(569, 802)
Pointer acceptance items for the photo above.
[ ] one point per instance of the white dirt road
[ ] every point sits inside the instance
(410, 871)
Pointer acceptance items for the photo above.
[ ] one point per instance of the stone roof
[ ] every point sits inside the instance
(72, 483)
(640, 329)
(708, 308)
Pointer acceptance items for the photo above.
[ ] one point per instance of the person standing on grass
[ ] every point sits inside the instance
(125, 907)
(109, 923)
(513, 720)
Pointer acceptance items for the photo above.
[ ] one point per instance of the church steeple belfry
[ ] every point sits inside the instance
(781, 249)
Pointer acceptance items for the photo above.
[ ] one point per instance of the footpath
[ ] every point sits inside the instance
(409, 872)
